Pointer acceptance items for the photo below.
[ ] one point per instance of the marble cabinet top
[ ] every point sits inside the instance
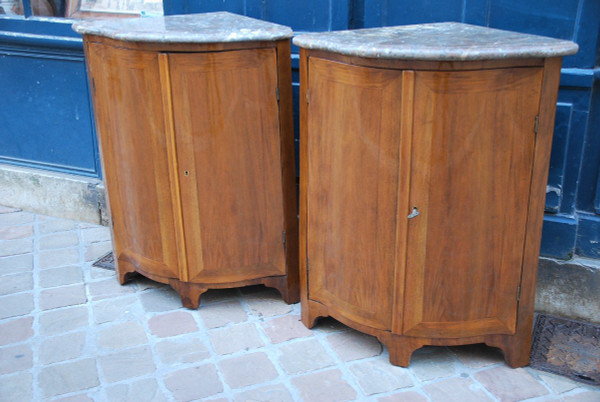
(189, 28)
(444, 41)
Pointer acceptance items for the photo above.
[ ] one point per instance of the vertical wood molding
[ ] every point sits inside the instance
(165, 81)
(403, 206)
(418, 195)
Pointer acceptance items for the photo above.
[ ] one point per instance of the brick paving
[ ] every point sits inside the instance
(70, 332)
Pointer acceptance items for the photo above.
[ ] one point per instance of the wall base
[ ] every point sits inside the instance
(55, 194)
(569, 289)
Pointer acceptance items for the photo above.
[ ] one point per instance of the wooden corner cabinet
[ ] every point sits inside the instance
(424, 159)
(194, 118)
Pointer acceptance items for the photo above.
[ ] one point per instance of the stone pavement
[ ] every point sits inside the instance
(70, 332)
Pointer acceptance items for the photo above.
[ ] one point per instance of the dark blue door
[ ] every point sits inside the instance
(46, 118)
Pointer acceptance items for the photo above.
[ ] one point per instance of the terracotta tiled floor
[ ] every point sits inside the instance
(70, 332)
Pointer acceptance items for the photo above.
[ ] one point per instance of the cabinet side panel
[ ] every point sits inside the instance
(227, 135)
(288, 168)
(130, 126)
(353, 139)
(517, 350)
(472, 163)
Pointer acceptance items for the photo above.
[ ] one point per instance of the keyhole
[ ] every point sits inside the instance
(414, 213)
(187, 173)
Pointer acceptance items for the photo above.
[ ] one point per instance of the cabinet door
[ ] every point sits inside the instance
(226, 120)
(353, 127)
(130, 126)
(472, 156)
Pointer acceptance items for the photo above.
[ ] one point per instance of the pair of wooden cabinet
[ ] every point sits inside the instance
(424, 157)
(196, 134)
(424, 160)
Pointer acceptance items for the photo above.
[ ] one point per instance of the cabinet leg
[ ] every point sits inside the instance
(516, 358)
(401, 349)
(516, 351)
(310, 311)
(290, 293)
(125, 271)
(308, 317)
(188, 292)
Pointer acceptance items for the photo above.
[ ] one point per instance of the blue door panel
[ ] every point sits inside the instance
(558, 236)
(567, 148)
(579, 121)
(49, 122)
(562, 127)
(577, 96)
(555, 18)
(308, 15)
(572, 20)
(203, 6)
(389, 12)
(588, 180)
(588, 236)
(58, 28)
(476, 12)
(587, 37)
(597, 197)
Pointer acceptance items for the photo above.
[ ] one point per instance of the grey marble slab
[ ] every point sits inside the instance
(189, 28)
(438, 41)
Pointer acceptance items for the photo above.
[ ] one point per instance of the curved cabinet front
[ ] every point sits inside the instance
(130, 123)
(422, 191)
(227, 137)
(353, 179)
(197, 151)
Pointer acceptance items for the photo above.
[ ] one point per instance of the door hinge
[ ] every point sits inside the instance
(283, 239)
(308, 96)
(536, 125)
(277, 93)
(519, 293)
(307, 265)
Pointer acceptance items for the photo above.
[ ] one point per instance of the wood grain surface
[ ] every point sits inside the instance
(227, 135)
(473, 143)
(442, 247)
(352, 185)
(135, 161)
(199, 162)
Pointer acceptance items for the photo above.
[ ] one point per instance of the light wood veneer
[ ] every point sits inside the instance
(465, 145)
(197, 150)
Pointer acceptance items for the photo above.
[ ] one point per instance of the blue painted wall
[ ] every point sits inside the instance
(46, 115)
(572, 220)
